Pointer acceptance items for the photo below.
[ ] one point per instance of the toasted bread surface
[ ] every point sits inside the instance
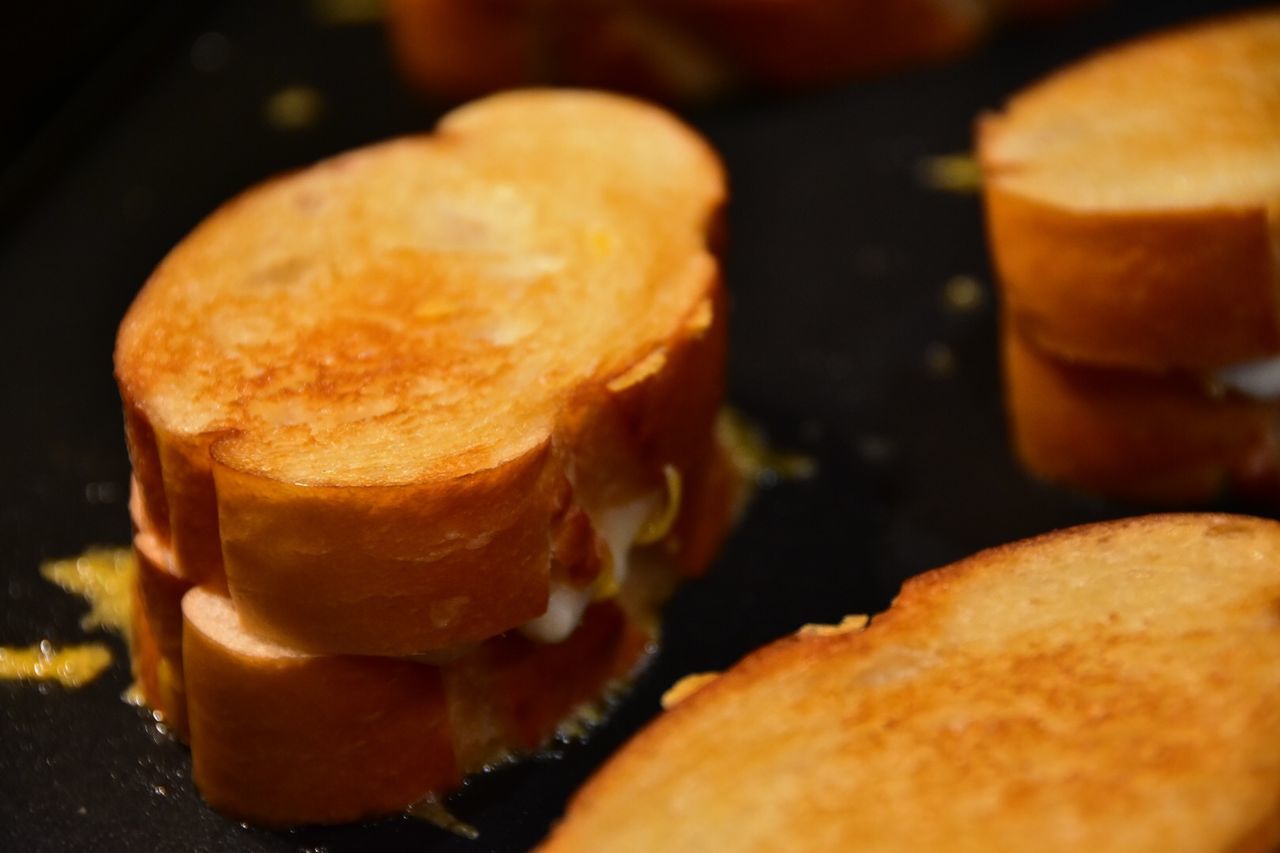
(510, 694)
(157, 673)
(1110, 687)
(1150, 436)
(363, 391)
(1132, 197)
(157, 632)
(280, 737)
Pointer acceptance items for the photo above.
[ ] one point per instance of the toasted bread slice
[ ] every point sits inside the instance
(156, 635)
(280, 737)
(509, 695)
(155, 627)
(368, 392)
(1110, 687)
(1146, 436)
(1132, 200)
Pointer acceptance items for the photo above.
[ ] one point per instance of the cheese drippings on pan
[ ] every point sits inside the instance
(104, 578)
(71, 666)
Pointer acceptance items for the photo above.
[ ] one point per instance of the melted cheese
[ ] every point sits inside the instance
(431, 810)
(752, 456)
(565, 606)
(618, 529)
(104, 578)
(1257, 379)
(72, 666)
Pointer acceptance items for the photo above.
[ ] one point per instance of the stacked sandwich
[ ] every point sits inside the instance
(682, 48)
(1132, 207)
(420, 436)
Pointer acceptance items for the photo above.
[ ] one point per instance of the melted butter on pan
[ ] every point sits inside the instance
(751, 454)
(104, 578)
(954, 173)
(431, 810)
(71, 666)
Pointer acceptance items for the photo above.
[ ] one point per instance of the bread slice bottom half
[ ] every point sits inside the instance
(1131, 199)
(280, 737)
(1155, 437)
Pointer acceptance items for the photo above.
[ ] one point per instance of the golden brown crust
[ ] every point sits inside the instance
(281, 738)
(1140, 230)
(332, 569)
(1124, 288)
(505, 695)
(159, 594)
(1154, 437)
(531, 688)
(155, 639)
(157, 673)
(1112, 687)
(277, 411)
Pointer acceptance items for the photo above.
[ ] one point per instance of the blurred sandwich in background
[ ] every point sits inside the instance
(1133, 207)
(682, 49)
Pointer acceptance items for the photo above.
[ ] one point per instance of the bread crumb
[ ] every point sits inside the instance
(955, 173)
(686, 687)
(294, 108)
(939, 360)
(963, 294)
(848, 625)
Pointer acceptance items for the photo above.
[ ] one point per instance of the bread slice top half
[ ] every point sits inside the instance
(422, 309)
(1110, 687)
(1133, 201)
(1185, 119)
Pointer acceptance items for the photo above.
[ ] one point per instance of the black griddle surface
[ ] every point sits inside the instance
(842, 348)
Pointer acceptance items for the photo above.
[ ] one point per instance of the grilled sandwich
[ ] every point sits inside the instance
(400, 423)
(1131, 202)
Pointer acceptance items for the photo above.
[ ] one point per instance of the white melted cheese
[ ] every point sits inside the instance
(565, 606)
(1257, 379)
(618, 527)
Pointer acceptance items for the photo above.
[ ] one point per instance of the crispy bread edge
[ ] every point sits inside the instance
(909, 613)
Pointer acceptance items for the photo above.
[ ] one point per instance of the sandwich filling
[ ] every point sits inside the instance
(1259, 380)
